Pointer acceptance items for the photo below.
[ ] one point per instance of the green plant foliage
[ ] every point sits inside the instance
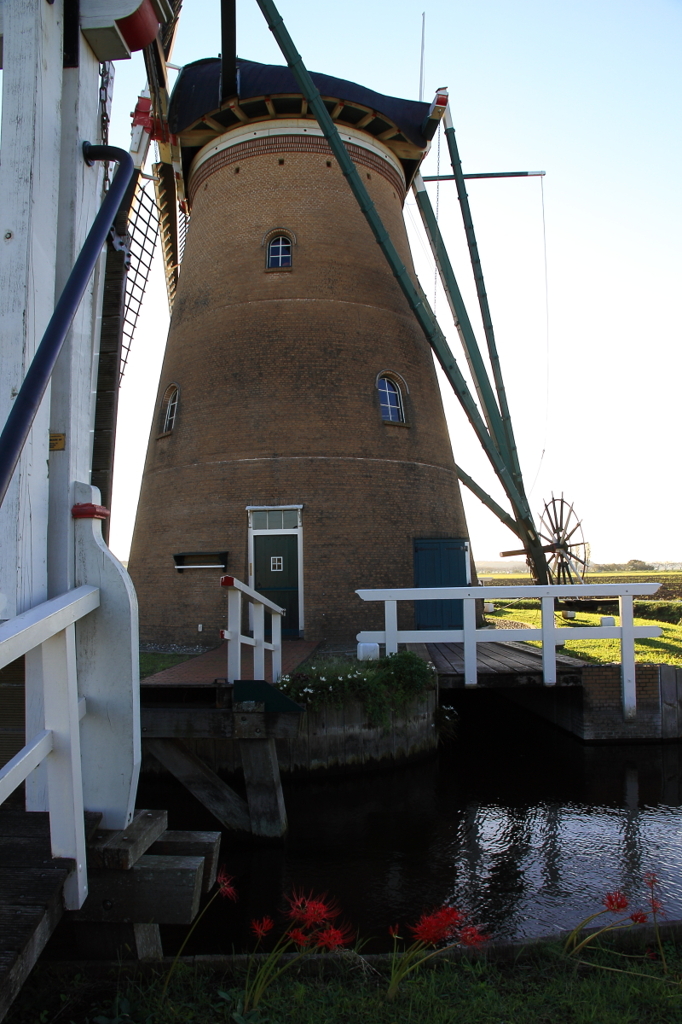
(152, 662)
(540, 985)
(383, 686)
(665, 649)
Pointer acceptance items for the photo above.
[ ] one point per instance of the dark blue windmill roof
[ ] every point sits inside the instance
(197, 92)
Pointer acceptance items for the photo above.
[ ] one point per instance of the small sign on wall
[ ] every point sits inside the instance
(57, 442)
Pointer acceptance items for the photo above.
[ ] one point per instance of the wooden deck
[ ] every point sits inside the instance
(501, 664)
(31, 906)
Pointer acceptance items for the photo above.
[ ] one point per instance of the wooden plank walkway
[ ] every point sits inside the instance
(204, 668)
(501, 664)
(31, 884)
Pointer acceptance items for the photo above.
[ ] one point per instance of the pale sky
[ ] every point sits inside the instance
(588, 91)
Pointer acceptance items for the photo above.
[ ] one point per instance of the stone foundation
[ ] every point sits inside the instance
(334, 739)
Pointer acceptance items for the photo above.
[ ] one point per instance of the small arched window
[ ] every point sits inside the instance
(169, 408)
(391, 400)
(279, 252)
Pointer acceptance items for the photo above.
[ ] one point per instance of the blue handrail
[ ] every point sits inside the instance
(34, 385)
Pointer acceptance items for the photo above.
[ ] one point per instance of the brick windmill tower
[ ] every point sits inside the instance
(299, 440)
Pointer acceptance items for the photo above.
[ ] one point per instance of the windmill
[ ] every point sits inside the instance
(487, 408)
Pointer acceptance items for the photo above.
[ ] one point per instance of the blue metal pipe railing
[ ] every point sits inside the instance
(26, 404)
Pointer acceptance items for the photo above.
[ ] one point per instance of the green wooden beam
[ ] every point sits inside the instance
(480, 291)
(487, 500)
(472, 352)
(415, 296)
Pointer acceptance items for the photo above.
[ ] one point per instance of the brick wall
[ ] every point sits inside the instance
(593, 711)
(278, 403)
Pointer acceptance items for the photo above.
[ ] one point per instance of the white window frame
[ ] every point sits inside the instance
(296, 531)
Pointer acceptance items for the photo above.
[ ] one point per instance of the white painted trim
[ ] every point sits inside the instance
(33, 627)
(23, 763)
(550, 636)
(296, 531)
(292, 126)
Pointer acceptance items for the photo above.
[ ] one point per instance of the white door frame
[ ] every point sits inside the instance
(296, 531)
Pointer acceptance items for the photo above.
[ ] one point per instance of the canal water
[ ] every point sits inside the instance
(513, 821)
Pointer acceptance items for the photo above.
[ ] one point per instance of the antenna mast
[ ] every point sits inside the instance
(421, 60)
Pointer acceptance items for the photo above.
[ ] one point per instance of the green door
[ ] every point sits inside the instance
(276, 575)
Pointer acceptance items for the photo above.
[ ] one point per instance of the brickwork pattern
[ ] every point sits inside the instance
(278, 403)
(279, 144)
(593, 711)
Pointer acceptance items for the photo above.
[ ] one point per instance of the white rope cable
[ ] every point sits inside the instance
(547, 373)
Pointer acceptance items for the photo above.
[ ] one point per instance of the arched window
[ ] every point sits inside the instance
(279, 252)
(391, 400)
(169, 408)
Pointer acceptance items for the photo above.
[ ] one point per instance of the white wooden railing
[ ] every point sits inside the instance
(235, 638)
(51, 627)
(81, 650)
(549, 634)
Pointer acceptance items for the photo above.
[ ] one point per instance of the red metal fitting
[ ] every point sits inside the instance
(86, 510)
(227, 581)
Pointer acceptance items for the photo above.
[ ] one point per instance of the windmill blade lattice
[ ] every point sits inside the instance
(143, 231)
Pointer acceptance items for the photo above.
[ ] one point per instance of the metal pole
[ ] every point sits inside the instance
(34, 386)
(486, 174)
(481, 292)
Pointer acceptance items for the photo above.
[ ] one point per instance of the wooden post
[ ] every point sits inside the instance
(64, 780)
(627, 658)
(263, 788)
(391, 614)
(29, 186)
(548, 642)
(259, 637)
(277, 644)
(234, 628)
(470, 668)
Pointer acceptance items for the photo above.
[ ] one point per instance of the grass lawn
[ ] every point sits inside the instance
(539, 986)
(153, 662)
(666, 649)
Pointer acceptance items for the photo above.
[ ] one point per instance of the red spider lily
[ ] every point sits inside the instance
(333, 937)
(656, 906)
(311, 910)
(394, 930)
(441, 924)
(225, 885)
(471, 936)
(650, 879)
(639, 917)
(615, 901)
(261, 928)
(299, 937)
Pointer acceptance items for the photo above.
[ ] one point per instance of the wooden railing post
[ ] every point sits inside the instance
(627, 658)
(391, 617)
(234, 627)
(277, 646)
(64, 778)
(470, 670)
(259, 637)
(548, 642)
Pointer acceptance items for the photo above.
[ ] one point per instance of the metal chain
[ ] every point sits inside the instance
(104, 84)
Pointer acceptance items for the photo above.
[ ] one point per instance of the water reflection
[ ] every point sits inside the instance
(516, 821)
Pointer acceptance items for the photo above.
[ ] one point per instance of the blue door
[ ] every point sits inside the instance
(439, 563)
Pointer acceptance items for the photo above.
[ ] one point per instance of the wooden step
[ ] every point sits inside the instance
(121, 849)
